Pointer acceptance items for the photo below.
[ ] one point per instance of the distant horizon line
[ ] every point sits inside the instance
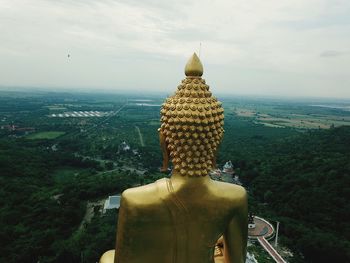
(54, 89)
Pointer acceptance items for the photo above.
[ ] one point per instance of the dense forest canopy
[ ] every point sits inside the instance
(304, 182)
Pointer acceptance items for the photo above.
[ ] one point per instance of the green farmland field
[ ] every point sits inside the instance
(45, 135)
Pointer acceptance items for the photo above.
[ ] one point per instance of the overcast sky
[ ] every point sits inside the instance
(269, 47)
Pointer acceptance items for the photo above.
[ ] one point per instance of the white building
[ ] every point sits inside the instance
(113, 202)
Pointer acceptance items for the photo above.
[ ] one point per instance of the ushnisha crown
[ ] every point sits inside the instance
(192, 123)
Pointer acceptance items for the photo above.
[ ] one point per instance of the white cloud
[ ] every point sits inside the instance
(255, 46)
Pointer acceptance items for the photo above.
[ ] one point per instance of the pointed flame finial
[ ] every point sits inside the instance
(194, 67)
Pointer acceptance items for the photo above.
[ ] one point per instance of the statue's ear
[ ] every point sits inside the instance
(165, 152)
(213, 161)
(214, 156)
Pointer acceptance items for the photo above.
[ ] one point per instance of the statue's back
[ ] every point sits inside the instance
(158, 223)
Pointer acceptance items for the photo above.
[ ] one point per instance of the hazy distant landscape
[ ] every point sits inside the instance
(56, 170)
(81, 87)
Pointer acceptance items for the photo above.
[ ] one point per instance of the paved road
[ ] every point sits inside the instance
(273, 253)
(123, 168)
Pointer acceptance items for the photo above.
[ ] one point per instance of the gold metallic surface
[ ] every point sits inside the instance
(179, 220)
(194, 66)
(108, 257)
(192, 127)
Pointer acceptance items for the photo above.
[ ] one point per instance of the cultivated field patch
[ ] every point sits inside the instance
(45, 135)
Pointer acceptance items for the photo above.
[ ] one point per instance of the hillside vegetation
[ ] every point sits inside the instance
(303, 181)
(306, 182)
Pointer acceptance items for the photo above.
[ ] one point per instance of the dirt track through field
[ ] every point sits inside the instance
(140, 135)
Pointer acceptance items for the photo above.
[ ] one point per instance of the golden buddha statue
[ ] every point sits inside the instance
(179, 220)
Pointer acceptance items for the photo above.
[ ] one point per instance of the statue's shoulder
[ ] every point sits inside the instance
(231, 192)
(141, 195)
(142, 202)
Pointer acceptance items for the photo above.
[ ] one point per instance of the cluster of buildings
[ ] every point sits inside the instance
(13, 127)
(17, 131)
(227, 174)
(125, 147)
(80, 114)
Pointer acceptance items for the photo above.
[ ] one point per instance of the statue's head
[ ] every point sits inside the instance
(192, 124)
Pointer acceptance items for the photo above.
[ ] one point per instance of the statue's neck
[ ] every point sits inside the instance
(180, 181)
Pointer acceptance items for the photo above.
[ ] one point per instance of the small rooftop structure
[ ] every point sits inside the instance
(251, 222)
(227, 174)
(113, 202)
(228, 168)
(124, 146)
